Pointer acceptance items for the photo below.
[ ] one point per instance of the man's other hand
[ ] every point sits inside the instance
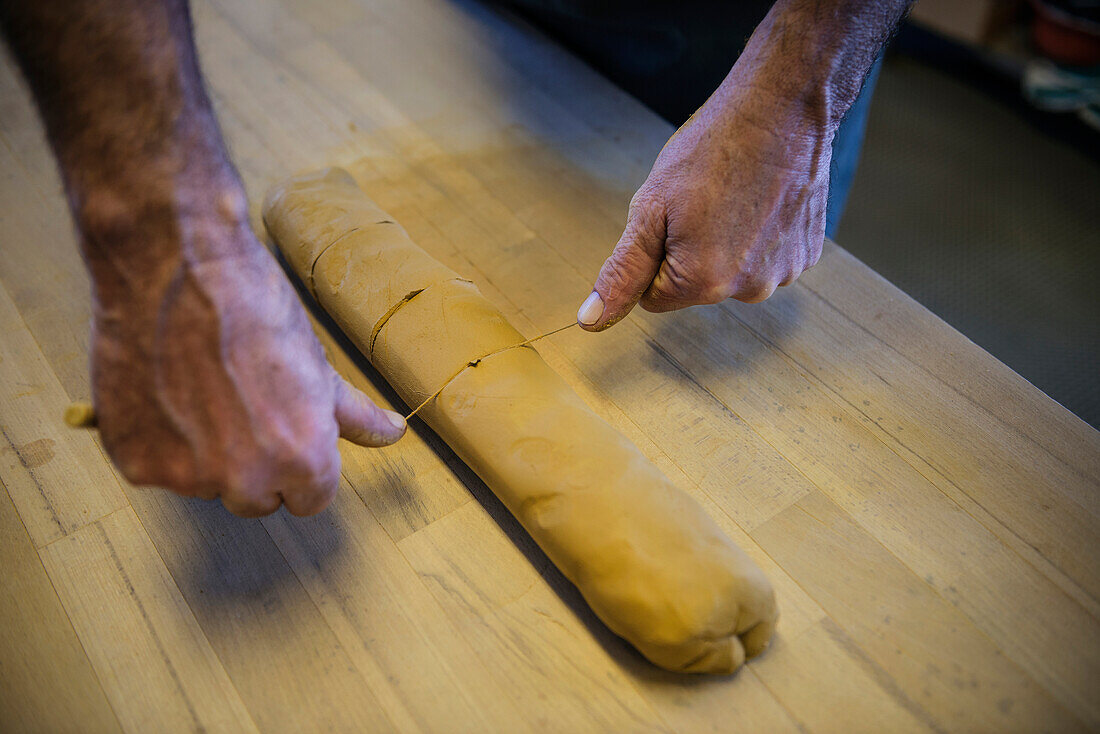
(206, 376)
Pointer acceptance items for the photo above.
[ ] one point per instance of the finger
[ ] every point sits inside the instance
(306, 503)
(625, 275)
(756, 292)
(309, 497)
(790, 279)
(363, 422)
(243, 504)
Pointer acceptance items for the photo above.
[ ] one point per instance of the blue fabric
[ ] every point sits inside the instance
(846, 148)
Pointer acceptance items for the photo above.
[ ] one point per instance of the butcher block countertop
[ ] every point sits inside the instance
(928, 518)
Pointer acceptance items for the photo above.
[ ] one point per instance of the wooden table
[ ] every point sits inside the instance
(928, 517)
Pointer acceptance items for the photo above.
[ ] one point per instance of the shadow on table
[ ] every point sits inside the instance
(701, 346)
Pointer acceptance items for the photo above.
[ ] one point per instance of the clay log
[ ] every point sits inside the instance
(650, 562)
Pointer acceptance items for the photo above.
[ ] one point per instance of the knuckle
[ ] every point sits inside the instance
(312, 466)
(761, 292)
(310, 501)
(250, 503)
(752, 287)
(142, 470)
(712, 288)
(122, 453)
(715, 293)
(310, 493)
(131, 467)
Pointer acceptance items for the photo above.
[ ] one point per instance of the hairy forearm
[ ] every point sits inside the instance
(118, 87)
(810, 57)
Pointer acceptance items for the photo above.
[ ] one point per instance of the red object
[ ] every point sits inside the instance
(1064, 38)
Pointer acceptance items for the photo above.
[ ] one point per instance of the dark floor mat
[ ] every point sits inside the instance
(987, 221)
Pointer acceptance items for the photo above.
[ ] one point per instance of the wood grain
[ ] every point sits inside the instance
(182, 686)
(60, 481)
(425, 674)
(928, 518)
(46, 680)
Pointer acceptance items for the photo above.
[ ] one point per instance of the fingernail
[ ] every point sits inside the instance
(591, 310)
(396, 419)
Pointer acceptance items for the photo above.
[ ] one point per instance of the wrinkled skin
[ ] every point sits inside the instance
(735, 204)
(733, 208)
(207, 377)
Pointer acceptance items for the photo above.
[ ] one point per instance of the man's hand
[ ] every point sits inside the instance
(735, 204)
(206, 376)
(733, 208)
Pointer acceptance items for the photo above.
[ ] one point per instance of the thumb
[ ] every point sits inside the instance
(363, 422)
(626, 275)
